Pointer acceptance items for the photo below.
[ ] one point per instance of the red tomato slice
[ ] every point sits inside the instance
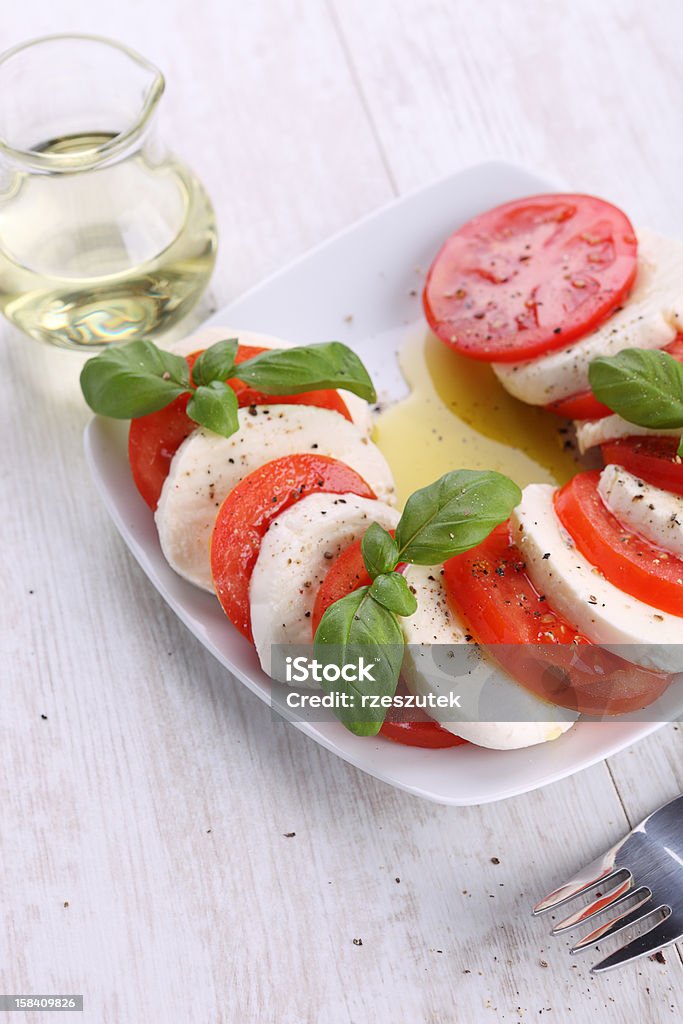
(489, 588)
(420, 734)
(250, 508)
(675, 349)
(585, 406)
(626, 559)
(153, 440)
(347, 573)
(652, 459)
(530, 276)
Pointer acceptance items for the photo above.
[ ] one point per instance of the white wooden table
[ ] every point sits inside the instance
(167, 850)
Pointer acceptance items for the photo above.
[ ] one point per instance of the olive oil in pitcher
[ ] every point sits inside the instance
(104, 236)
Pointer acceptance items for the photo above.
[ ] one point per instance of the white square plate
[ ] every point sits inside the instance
(357, 287)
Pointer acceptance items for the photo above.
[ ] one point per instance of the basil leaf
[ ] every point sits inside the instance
(289, 371)
(379, 550)
(353, 628)
(133, 380)
(453, 514)
(215, 362)
(679, 452)
(642, 386)
(392, 591)
(214, 406)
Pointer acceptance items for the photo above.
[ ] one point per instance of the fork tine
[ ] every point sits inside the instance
(620, 921)
(620, 892)
(596, 871)
(663, 934)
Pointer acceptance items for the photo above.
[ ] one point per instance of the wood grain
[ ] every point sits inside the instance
(146, 855)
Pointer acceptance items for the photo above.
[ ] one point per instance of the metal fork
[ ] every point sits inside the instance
(649, 857)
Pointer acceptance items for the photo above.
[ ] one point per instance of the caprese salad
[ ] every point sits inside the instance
(257, 461)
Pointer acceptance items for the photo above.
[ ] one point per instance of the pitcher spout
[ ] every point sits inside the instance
(62, 121)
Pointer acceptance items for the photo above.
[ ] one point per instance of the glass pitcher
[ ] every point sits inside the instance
(105, 236)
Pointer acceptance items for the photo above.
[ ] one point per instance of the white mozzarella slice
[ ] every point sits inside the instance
(641, 508)
(433, 622)
(431, 669)
(295, 555)
(590, 433)
(650, 318)
(359, 410)
(206, 467)
(579, 592)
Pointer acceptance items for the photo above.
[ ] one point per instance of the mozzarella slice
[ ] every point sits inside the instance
(578, 591)
(650, 319)
(206, 467)
(359, 409)
(295, 555)
(655, 514)
(432, 665)
(590, 433)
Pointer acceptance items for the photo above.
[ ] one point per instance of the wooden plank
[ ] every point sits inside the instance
(591, 96)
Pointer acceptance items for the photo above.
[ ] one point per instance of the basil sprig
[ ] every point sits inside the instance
(359, 627)
(451, 515)
(379, 550)
(642, 386)
(216, 362)
(138, 378)
(289, 371)
(214, 405)
(120, 382)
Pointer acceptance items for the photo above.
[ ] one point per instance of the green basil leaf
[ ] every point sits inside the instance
(453, 514)
(642, 386)
(379, 550)
(680, 449)
(289, 371)
(359, 632)
(133, 380)
(215, 362)
(392, 590)
(214, 406)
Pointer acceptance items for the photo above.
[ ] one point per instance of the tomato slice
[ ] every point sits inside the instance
(530, 276)
(420, 734)
(652, 459)
(153, 440)
(585, 406)
(675, 349)
(490, 589)
(250, 508)
(626, 559)
(347, 573)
